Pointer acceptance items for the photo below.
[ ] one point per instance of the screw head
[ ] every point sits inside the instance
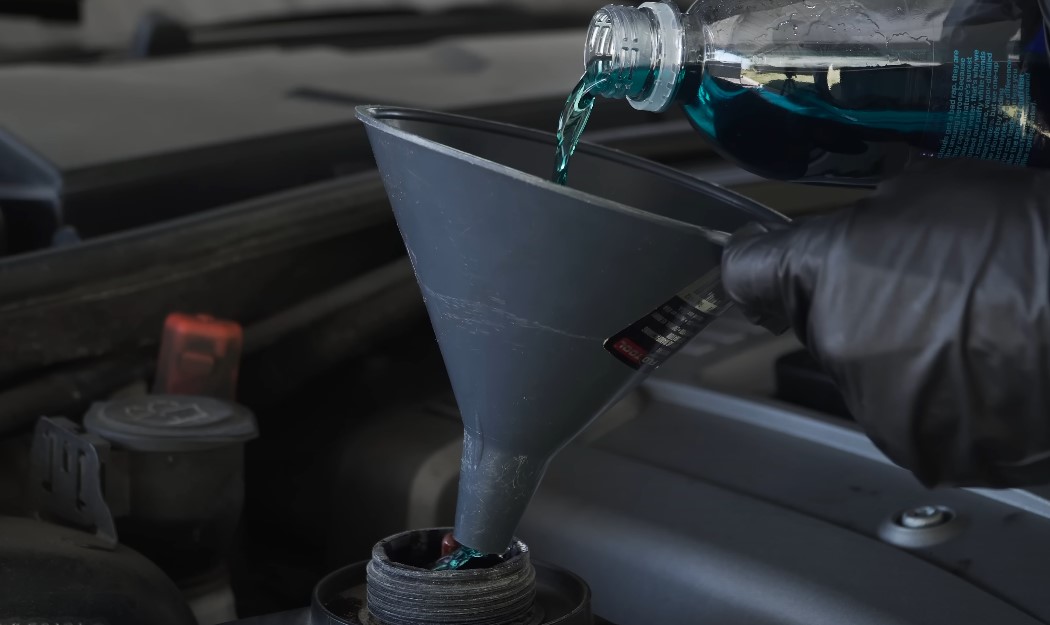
(924, 517)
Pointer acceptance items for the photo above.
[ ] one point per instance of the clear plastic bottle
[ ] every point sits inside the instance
(837, 91)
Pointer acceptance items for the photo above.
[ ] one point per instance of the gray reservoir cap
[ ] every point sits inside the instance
(171, 423)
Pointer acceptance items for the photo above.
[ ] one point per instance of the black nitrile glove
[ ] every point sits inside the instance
(929, 304)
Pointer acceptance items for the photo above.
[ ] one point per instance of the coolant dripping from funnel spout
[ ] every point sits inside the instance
(454, 555)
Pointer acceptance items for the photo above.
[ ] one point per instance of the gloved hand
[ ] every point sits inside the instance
(929, 304)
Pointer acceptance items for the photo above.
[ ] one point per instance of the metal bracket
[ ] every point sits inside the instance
(68, 473)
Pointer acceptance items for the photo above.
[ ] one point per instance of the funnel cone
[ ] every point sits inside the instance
(524, 280)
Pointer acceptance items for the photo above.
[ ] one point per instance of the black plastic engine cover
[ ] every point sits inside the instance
(52, 574)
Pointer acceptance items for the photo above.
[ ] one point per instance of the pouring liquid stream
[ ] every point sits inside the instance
(573, 120)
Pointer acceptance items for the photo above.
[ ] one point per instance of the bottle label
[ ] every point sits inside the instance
(648, 342)
(991, 114)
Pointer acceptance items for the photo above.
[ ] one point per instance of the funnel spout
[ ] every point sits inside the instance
(496, 484)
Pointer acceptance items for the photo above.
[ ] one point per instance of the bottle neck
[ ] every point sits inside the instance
(640, 51)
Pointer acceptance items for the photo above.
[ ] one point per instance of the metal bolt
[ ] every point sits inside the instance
(924, 517)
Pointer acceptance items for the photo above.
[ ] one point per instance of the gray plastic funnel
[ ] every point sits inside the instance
(524, 280)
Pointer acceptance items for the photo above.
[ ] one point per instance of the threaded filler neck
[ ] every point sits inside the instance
(403, 590)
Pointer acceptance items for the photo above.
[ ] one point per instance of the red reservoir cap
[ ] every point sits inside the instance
(199, 355)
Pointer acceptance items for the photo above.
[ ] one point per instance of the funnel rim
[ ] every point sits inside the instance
(373, 115)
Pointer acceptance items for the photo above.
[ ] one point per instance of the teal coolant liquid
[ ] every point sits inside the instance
(572, 121)
(457, 559)
(862, 124)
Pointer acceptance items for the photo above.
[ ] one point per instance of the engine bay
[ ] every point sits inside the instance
(220, 388)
